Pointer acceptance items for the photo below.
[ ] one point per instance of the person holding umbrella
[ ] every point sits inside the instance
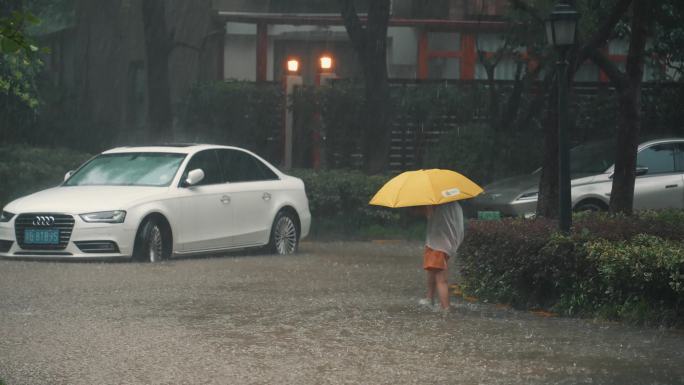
(445, 231)
(434, 192)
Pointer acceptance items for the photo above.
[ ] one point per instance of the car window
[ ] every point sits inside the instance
(592, 158)
(679, 157)
(658, 158)
(207, 161)
(128, 169)
(239, 166)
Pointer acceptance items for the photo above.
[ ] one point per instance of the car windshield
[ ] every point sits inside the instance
(128, 169)
(592, 158)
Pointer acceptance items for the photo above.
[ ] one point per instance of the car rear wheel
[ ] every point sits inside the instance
(284, 234)
(151, 243)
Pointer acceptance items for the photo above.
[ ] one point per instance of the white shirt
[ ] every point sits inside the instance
(445, 228)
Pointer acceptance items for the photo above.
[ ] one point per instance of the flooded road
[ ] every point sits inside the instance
(336, 313)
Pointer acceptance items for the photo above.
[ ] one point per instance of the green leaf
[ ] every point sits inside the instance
(9, 46)
(31, 18)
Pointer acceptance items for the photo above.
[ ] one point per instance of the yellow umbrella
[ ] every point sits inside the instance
(425, 187)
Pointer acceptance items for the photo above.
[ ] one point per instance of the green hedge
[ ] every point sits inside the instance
(615, 267)
(25, 169)
(338, 200)
(238, 113)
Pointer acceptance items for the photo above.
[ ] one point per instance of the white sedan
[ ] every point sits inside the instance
(152, 203)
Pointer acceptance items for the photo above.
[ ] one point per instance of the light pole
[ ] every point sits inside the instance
(326, 70)
(324, 77)
(291, 80)
(561, 28)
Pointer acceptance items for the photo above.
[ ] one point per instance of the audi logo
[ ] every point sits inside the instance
(41, 220)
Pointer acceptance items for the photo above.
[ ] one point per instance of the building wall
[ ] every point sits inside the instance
(239, 55)
(402, 55)
(307, 43)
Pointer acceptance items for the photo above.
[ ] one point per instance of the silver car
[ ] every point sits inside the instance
(659, 182)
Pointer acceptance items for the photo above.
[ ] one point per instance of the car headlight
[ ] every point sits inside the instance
(117, 216)
(530, 196)
(6, 216)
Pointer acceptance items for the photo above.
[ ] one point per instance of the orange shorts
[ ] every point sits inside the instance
(434, 259)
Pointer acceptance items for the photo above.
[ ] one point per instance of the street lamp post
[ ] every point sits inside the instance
(324, 77)
(291, 80)
(561, 30)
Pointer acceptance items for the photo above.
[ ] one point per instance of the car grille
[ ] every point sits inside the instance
(100, 247)
(5, 246)
(64, 223)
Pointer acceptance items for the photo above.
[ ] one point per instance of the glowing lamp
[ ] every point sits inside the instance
(326, 63)
(293, 65)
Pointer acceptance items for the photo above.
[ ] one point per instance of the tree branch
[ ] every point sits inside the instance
(186, 45)
(601, 36)
(534, 106)
(355, 29)
(617, 77)
(195, 48)
(520, 5)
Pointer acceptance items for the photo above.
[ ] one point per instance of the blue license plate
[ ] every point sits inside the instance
(41, 236)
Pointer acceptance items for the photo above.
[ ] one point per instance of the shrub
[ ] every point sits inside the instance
(633, 276)
(513, 260)
(238, 113)
(338, 201)
(25, 169)
(617, 267)
(666, 224)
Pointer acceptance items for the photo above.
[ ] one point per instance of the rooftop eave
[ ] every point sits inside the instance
(334, 19)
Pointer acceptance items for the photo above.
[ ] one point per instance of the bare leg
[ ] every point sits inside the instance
(431, 282)
(442, 288)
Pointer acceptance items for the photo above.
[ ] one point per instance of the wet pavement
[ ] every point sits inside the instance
(336, 313)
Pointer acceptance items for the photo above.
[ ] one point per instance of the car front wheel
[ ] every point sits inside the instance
(150, 245)
(284, 234)
(593, 206)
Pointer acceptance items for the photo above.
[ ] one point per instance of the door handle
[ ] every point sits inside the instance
(266, 196)
(225, 199)
(671, 186)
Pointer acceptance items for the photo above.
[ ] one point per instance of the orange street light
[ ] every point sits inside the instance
(293, 66)
(325, 62)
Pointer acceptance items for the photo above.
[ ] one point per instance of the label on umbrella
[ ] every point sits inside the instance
(450, 192)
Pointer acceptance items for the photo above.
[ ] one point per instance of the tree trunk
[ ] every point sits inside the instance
(370, 44)
(102, 56)
(622, 194)
(377, 133)
(159, 44)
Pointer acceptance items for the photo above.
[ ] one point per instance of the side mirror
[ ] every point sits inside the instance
(195, 176)
(68, 174)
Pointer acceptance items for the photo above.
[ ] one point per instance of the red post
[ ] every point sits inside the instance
(603, 77)
(468, 56)
(422, 70)
(262, 52)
